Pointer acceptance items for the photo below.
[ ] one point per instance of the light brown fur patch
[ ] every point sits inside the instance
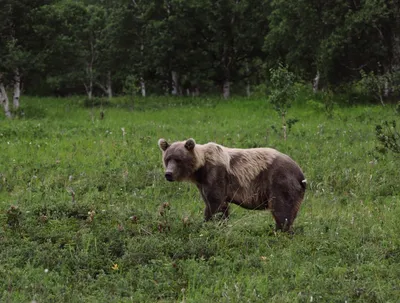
(252, 161)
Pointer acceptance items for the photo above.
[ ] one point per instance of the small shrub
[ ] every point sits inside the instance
(329, 104)
(388, 137)
(380, 86)
(284, 92)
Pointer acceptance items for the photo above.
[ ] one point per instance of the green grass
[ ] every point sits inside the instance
(115, 239)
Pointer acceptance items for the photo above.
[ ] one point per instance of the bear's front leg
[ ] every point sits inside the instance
(215, 203)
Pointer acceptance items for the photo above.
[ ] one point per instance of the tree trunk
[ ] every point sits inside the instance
(89, 89)
(175, 83)
(396, 44)
(386, 88)
(89, 72)
(89, 85)
(248, 90)
(226, 89)
(109, 86)
(4, 99)
(196, 91)
(316, 82)
(107, 89)
(17, 89)
(284, 126)
(226, 60)
(143, 87)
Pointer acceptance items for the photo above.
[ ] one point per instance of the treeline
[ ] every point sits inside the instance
(106, 47)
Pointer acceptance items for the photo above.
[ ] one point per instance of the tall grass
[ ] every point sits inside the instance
(86, 215)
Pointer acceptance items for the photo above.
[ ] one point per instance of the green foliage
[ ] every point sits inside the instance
(388, 137)
(329, 103)
(85, 212)
(283, 89)
(65, 48)
(397, 108)
(323, 102)
(283, 92)
(96, 102)
(374, 85)
(131, 88)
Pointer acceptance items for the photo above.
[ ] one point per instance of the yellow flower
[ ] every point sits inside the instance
(115, 266)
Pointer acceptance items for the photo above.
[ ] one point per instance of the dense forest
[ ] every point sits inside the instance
(190, 47)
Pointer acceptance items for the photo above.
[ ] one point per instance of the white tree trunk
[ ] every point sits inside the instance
(89, 89)
(168, 7)
(107, 89)
(17, 89)
(89, 72)
(316, 82)
(248, 90)
(109, 86)
(175, 83)
(4, 99)
(196, 91)
(89, 85)
(226, 89)
(143, 87)
(386, 88)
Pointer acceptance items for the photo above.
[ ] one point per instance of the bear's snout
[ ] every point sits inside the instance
(169, 177)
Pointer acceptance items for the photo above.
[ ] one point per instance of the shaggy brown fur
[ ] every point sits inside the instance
(256, 178)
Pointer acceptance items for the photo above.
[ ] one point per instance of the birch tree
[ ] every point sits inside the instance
(4, 98)
(19, 51)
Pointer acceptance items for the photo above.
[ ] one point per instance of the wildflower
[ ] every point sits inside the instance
(115, 266)
(91, 216)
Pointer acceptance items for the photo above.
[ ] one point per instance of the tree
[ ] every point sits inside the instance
(335, 39)
(80, 45)
(232, 36)
(283, 92)
(19, 50)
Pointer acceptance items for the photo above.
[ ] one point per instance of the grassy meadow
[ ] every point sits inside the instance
(86, 215)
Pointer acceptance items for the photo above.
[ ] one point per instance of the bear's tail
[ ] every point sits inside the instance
(303, 183)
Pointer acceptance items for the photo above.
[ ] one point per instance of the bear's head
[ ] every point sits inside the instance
(179, 159)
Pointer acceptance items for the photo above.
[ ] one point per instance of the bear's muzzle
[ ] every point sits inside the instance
(169, 176)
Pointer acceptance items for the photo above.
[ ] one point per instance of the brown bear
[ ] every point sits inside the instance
(255, 178)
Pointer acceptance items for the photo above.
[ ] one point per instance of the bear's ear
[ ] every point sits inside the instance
(163, 144)
(190, 143)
